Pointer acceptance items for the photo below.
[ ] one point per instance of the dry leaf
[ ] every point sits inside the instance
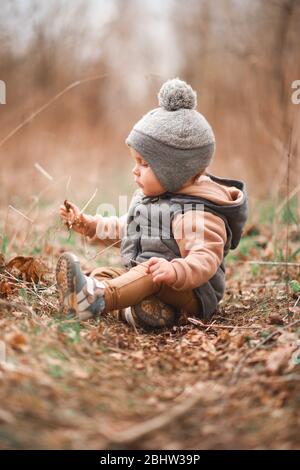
(31, 269)
(194, 336)
(208, 346)
(2, 262)
(223, 336)
(17, 341)
(6, 288)
(279, 359)
(80, 373)
(239, 340)
(275, 319)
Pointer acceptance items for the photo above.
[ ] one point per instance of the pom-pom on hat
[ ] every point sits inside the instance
(175, 139)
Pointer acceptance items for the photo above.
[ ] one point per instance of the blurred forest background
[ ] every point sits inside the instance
(241, 56)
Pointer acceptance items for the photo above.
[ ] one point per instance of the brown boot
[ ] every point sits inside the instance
(150, 313)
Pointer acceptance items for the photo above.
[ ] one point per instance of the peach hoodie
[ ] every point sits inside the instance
(200, 258)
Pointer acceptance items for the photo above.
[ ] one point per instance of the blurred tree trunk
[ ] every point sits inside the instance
(286, 12)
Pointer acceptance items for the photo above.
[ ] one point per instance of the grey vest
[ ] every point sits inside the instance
(143, 240)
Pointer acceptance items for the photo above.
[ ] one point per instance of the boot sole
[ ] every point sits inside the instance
(151, 314)
(66, 283)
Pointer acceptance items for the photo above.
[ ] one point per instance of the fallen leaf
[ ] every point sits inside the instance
(279, 359)
(223, 336)
(194, 336)
(208, 347)
(31, 269)
(6, 288)
(275, 319)
(80, 373)
(2, 262)
(17, 341)
(239, 340)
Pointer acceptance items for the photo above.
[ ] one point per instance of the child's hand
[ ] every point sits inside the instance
(81, 223)
(162, 270)
(69, 212)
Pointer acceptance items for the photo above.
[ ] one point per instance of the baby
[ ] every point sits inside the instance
(180, 225)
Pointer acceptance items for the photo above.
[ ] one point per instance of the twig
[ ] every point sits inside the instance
(238, 369)
(287, 198)
(43, 171)
(46, 105)
(2, 276)
(273, 378)
(89, 201)
(119, 351)
(15, 305)
(68, 182)
(34, 291)
(50, 186)
(295, 305)
(44, 301)
(84, 242)
(32, 206)
(139, 431)
(288, 211)
(20, 213)
(197, 322)
(210, 326)
(5, 226)
(77, 218)
(276, 263)
(102, 251)
(267, 284)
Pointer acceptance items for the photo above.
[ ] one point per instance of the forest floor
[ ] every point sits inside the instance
(234, 383)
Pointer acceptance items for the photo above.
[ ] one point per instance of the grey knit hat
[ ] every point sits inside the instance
(175, 139)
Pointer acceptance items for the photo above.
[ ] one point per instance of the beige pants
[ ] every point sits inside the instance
(125, 288)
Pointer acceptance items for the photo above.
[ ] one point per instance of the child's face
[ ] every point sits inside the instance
(144, 176)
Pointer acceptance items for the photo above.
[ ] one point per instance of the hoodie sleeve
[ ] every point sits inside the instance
(201, 237)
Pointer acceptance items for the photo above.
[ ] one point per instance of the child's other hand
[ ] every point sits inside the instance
(162, 270)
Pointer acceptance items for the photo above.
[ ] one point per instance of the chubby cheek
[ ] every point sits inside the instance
(151, 184)
(152, 181)
(145, 177)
